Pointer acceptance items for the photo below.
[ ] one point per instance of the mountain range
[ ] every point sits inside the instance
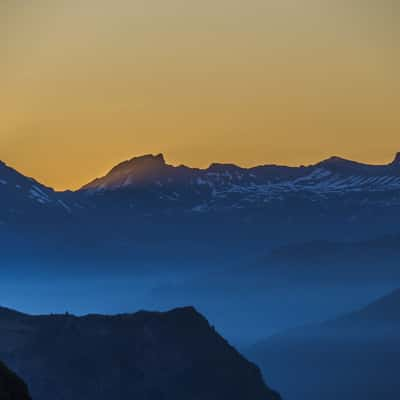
(259, 250)
(265, 233)
(147, 185)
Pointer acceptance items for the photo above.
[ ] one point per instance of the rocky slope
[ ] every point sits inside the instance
(150, 356)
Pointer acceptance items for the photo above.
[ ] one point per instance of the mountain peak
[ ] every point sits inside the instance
(145, 161)
(135, 170)
(336, 160)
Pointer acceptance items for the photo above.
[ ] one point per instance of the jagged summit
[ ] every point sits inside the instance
(133, 171)
(147, 161)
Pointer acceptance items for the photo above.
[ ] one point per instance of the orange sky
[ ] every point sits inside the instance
(88, 83)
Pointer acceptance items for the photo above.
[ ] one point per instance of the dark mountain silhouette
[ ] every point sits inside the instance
(11, 386)
(355, 356)
(147, 355)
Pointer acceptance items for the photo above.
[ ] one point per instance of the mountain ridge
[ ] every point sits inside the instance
(158, 160)
(148, 186)
(143, 355)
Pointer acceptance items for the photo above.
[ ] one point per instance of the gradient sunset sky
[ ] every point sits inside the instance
(85, 84)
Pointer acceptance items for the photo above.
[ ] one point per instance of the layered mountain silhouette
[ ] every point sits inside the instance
(11, 386)
(196, 232)
(206, 235)
(355, 356)
(203, 237)
(148, 355)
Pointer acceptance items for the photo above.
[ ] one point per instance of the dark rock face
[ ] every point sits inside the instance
(150, 356)
(12, 387)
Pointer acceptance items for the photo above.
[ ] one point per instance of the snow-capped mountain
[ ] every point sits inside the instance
(23, 198)
(148, 184)
(223, 186)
